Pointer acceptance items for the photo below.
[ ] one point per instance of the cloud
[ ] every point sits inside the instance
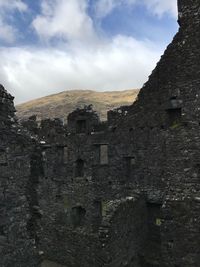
(8, 32)
(30, 73)
(160, 7)
(13, 4)
(79, 57)
(156, 7)
(105, 7)
(63, 19)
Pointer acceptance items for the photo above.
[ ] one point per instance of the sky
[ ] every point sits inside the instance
(48, 46)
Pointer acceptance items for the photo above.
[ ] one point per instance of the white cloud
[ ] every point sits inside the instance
(160, 7)
(67, 20)
(81, 60)
(105, 7)
(13, 4)
(156, 7)
(30, 73)
(8, 32)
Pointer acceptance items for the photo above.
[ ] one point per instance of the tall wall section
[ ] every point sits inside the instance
(17, 247)
(164, 128)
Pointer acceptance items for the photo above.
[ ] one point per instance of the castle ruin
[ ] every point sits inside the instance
(121, 193)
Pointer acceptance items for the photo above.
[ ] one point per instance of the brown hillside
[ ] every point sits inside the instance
(61, 104)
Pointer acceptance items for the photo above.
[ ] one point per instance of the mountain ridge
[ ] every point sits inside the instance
(59, 105)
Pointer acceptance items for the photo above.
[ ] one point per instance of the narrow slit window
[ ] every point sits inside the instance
(98, 209)
(65, 155)
(44, 156)
(130, 163)
(154, 220)
(79, 172)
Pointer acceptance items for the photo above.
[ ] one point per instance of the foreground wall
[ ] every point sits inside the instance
(17, 246)
(164, 125)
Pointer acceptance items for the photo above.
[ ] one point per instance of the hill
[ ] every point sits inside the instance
(61, 104)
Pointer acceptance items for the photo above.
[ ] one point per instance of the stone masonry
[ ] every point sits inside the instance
(120, 193)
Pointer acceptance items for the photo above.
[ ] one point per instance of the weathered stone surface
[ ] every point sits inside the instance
(120, 193)
(51, 264)
(16, 245)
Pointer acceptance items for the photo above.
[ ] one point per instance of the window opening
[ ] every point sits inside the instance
(103, 154)
(130, 163)
(98, 208)
(65, 155)
(78, 215)
(79, 172)
(81, 126)
(174, 111)
(174, 116)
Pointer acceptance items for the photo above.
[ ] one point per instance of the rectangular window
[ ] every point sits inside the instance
(44, 157)
(154, 220)
(65, 155)
(66, 203)
(78, 216)
(174, 116)
(98, 209)
(104, 205)
(130, 163)
(103, 154)
(79, 170)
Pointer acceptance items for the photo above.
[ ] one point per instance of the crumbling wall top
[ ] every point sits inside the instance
(7, 109)
(188, 12)
(83, 120)
(115, 115)
(5, 94)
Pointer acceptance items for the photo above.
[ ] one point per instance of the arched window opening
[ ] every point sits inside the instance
(174, 111)
(174, 116)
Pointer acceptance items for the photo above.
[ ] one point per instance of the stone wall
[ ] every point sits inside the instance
(17, 247)
(125, 192)
(123, 232)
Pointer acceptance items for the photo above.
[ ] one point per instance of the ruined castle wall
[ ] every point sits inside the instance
(180, 231)
(73, 174)
(72, 205)
(124, 230)
(167, 139)
(17, 247)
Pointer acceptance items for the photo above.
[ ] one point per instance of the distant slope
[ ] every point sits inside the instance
(61, 104)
